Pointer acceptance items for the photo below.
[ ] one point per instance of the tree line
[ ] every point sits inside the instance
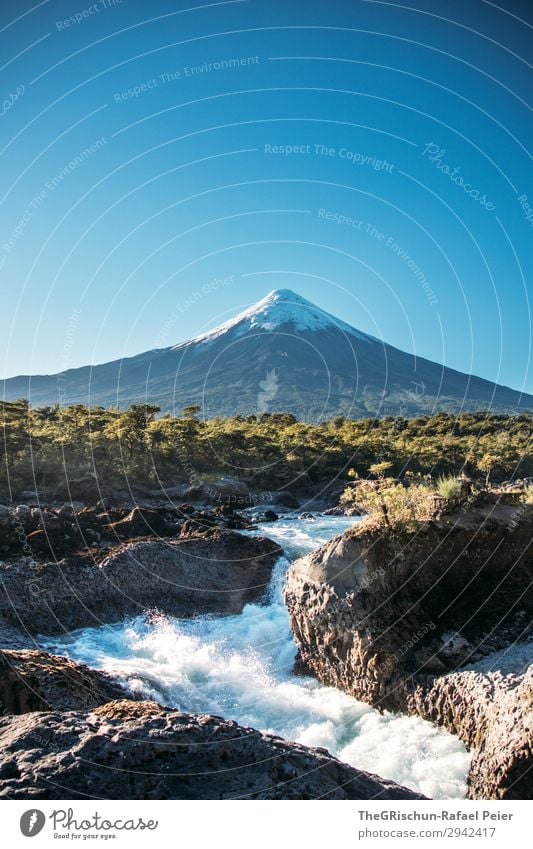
(43, 446)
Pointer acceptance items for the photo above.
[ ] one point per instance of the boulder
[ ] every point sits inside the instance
(287, 499)
(140, 750)
(145, 521)
(222, 491)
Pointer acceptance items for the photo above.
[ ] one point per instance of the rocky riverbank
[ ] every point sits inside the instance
(491, 709)
(33, 680)
(49, 532)
(140, 750)
(217, 571)
(393, 617)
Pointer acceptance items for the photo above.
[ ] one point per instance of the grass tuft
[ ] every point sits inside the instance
(449, 487)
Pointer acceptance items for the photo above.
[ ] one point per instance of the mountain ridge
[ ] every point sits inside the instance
(283, 354)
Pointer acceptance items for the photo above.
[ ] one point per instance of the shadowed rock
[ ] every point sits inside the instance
(215, 573)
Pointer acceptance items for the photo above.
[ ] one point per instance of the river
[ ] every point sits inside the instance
(240, 667)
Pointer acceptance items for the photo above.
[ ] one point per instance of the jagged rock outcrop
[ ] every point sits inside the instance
(200, 521)
(216, 572)
(384, 615)
(37, 681)
(145, 521)
(139, 750)
(492, 713)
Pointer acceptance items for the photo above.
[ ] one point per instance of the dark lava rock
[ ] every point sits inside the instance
(201, 521)
(139, 750)
(50, 533)
(218, 573)
(143, 522)
(37, 681)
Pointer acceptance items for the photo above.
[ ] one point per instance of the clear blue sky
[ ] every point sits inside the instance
(109, 248)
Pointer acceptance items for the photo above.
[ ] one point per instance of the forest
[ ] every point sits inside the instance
(139, 447)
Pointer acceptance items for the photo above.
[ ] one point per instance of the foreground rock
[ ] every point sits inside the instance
(37, 681)
(216, 572)
(384, 615)
(139, 750)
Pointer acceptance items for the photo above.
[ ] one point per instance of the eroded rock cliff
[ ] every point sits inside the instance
(390, 617)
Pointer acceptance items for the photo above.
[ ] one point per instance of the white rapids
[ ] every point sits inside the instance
(240, 667)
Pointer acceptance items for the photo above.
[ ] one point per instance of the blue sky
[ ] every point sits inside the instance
(165, 166)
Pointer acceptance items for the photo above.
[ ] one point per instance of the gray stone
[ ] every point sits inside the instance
(217, 572)
(33, 680)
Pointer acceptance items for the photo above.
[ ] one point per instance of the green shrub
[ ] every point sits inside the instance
(391, 503)
(449, 487)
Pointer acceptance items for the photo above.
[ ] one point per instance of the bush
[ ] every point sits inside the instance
(449, 487)
(393, 504)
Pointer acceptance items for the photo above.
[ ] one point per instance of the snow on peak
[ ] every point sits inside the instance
(280, 308)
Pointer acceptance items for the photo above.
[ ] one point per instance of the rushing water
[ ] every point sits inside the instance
(240, 667)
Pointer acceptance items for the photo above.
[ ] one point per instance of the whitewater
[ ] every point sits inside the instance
(240, 667)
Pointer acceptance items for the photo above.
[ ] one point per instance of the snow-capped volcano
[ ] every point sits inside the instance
(280, 309)
(284, 354)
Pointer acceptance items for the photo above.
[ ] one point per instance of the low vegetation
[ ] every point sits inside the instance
(527, 496)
